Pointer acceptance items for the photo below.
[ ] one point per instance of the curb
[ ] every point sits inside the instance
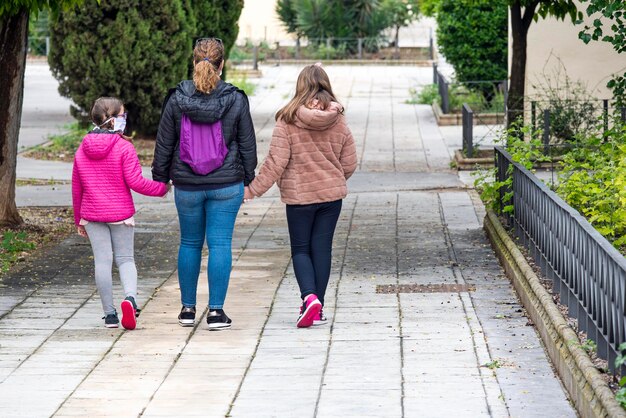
(588, 391)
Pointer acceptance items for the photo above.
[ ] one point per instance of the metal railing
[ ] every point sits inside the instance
(468, 130)
(587, 272)
(446, 87)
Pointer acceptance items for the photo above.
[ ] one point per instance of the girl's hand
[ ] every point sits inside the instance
(81, 231)
(247, 194)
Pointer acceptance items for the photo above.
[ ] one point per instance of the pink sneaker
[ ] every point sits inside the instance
(129, 313)
(310, 310)
(320, 319)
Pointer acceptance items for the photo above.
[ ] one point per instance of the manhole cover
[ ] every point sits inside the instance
(425, 288)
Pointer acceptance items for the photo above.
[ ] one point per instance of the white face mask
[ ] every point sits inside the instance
(119, 124)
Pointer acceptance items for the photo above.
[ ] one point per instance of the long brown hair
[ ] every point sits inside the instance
(208, 55)
(105, 108)
(312, 85)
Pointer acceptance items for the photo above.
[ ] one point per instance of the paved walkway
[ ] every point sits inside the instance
(409, 220)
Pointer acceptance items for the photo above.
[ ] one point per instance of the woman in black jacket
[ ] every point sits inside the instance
(211, 113)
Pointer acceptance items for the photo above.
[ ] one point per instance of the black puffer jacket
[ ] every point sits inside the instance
(226, 103)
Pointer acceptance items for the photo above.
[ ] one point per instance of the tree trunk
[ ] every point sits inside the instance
(519, 28)
(13, 44)
(396, 41)
(517, 83)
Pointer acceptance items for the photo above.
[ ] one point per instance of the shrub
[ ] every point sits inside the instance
(129, 49)
(473, 36)
(429, 94)
(218, 18)
(572, 112)
(593, 181)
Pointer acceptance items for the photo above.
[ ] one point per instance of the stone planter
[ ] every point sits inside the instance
(457, 119)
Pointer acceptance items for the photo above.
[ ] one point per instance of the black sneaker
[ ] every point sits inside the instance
(132, 300)
(111, 320)
(218, 320)
(187, 316)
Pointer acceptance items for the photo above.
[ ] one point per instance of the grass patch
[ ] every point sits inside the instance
(42, 226)
(243, 83)
(60, 147)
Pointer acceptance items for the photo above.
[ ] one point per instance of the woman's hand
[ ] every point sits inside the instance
(81, 231)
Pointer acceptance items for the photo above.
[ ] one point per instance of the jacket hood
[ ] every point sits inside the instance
(205, 108)
(318, 119)
(97, 145)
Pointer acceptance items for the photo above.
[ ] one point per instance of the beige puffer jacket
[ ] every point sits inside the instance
(311, 159)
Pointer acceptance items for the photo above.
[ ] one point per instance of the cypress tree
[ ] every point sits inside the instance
(131, 49)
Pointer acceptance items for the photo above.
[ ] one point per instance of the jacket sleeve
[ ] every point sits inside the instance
(347, 158)
(134, 177)
(275, 163)
(77, 193)
(165, 144)
(247, 142)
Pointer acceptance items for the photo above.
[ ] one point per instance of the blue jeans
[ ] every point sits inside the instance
(311, 231)
(209, 213)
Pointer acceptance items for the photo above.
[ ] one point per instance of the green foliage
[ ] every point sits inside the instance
(243, 83)
(286, 11)
(526, 153)
(429, 94)
(399, 13)
(37, 32)
(11, 245)
(589, 346)
(472, 35)
(572, 112)
(65, 143)
(129, 49)
(330, 52)
(613, 11)
(620, 395)
(318, 20)
(495, 364)
(429, 7)
(593, 181)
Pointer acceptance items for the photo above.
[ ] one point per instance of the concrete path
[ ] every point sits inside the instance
(391, 348)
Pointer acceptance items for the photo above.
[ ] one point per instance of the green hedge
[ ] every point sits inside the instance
(134, 50)
(473, 36)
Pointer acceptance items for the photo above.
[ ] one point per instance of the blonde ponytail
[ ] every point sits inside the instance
(205, 76)
(208, 56)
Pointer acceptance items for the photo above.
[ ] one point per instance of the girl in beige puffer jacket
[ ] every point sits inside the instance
(312, 154)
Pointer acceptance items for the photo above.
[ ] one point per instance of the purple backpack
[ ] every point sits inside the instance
(202, 145)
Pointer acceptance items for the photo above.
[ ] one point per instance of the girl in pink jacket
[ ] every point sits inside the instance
(106, 168)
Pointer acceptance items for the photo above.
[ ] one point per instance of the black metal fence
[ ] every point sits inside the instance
(587, 272)
(484, 91)
(557, 125)
(333, 48)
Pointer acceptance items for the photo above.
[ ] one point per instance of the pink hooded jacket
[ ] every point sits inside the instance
(310, 159)
(106, 168)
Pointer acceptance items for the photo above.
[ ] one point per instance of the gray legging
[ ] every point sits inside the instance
(106, 240)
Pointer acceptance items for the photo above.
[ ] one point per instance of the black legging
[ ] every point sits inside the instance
(311, 230)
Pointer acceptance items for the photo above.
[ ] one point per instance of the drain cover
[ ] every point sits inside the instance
(425, 288)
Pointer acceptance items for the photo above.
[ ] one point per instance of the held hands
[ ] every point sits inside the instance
(81, 231)
(247, 195)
